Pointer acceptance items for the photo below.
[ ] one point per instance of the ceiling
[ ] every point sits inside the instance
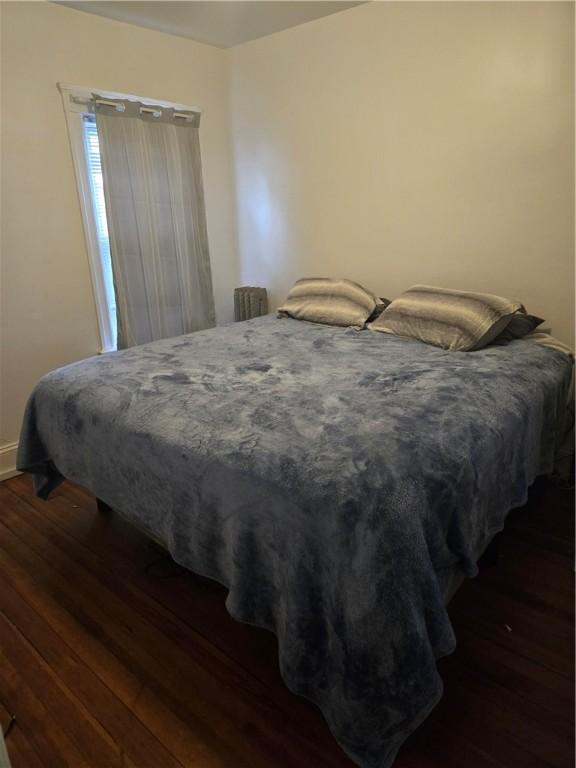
(219, 23)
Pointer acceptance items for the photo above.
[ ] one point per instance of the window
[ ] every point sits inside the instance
(85, 149)
(92, 153)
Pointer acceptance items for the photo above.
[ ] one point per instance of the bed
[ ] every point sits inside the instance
(335, 481)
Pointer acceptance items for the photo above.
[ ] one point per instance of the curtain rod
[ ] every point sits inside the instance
(81, 94)
(156, 111)
(119, 107)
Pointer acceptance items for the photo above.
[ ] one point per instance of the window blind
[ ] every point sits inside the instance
(92, 151)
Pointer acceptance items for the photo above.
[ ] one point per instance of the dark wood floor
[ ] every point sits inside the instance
(108, 662)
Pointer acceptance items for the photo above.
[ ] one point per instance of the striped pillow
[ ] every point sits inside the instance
(333, 302)
(455, 320)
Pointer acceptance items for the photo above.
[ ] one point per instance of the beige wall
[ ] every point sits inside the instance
(412, 142)
(49, 316)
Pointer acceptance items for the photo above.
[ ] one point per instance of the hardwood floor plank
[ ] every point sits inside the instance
(534, 729)
(482, 620)
(486, 725)
(119, 719)
(524, 676)
(82, 728)
(21, 752)
(551, 586)
(434, 745)
(523, 616)
(151, 756)
(39, 724)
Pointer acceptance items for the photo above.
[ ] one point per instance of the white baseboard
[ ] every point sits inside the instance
(8, 461)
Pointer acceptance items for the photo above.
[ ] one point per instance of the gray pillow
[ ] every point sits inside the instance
(380, 307)
(520, 325)
(455, 320)
(332, 302)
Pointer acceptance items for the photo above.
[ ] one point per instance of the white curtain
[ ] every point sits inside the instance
(156, 220)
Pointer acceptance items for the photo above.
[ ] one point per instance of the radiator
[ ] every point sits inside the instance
(249, 302)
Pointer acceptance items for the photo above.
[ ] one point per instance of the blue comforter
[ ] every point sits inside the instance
(332, 479)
